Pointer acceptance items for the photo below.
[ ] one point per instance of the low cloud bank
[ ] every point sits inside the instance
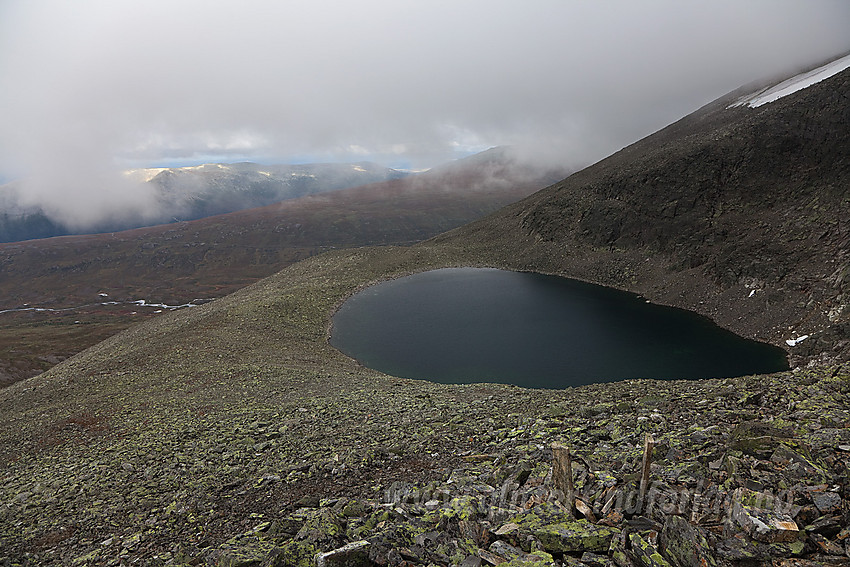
(90, 89)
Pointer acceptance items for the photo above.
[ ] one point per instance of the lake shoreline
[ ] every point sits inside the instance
(466, 325)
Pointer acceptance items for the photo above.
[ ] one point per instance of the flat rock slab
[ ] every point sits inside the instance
(764, 524)
(355, 554)
(827, 502)
(576, 536)
(560, 533)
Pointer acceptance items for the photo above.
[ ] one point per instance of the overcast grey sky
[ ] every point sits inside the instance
(95, 85)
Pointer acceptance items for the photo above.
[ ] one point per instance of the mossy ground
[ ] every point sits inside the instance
(177, 435)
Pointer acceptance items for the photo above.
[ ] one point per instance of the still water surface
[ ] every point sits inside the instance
(465, 325)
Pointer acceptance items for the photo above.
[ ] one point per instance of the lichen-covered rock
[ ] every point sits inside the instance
(750, 510)
(501, 551)
(646, 553)
(539, 516)
(794, 548)
(558, 532)
(293, 554)
(354, 554)
(506, 550)
(291, 524)
(324, 529)
(575, 537)
(463, 508)
(741, 547)
(684, 545)
(525, 563)
(391, 537)
(245, 550)
(361, 528)
(596, 560)
(354, 509)
(617, 551)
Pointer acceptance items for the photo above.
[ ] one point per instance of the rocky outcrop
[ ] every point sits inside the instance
(469, 519)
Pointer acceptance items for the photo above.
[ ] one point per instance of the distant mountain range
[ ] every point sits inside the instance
(189, 193)
(175, 263)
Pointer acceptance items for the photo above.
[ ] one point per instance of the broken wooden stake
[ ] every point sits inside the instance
(609, 504)
(562, 473)
(648, 445)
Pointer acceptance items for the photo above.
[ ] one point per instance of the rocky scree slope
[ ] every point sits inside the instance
(233, 434)
(742, 214)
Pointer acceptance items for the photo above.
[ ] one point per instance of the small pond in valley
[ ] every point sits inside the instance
(465, 325)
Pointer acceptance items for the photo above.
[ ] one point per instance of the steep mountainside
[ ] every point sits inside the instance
(741, 213)
(232, 433)
(88, 286)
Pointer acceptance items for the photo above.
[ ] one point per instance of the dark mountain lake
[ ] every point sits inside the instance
(465, 325)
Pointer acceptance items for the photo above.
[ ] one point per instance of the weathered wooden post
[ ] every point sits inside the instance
(562, 473)
(648, 445)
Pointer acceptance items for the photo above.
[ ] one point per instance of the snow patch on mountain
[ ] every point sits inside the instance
(794, 84)
(144, 175)
(798, 340)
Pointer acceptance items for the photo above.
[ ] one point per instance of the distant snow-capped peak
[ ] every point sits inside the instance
(148, 173)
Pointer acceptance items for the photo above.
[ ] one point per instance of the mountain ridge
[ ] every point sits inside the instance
(187, 193)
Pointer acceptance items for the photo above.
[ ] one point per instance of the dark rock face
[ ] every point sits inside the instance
(743, 192)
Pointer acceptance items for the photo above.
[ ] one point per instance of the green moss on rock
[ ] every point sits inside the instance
(559, 532)
(295, 554)
(646, 552)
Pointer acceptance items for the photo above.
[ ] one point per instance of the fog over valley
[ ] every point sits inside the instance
(93, 89)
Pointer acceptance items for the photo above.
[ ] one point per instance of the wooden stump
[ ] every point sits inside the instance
(648, 446)
(562, 474)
